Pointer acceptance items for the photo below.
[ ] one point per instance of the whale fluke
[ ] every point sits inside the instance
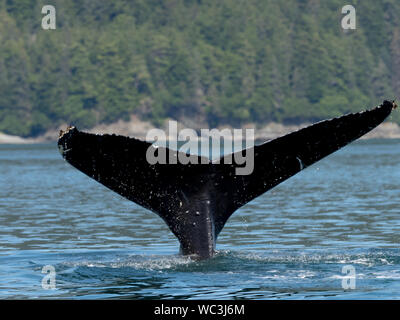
(196, 200)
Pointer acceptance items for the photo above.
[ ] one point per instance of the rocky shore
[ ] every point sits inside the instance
(139, 129)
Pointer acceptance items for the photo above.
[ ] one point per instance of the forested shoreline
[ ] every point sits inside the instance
(209, 62)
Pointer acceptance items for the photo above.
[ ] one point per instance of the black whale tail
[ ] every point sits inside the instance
(196, 200)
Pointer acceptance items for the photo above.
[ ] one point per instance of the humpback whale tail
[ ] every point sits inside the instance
(196, 200)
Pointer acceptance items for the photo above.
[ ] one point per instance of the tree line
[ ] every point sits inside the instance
(213, 62)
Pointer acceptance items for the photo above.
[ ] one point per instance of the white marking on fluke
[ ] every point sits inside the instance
(301, 163)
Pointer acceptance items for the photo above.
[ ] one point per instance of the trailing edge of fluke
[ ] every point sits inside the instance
(195, 201)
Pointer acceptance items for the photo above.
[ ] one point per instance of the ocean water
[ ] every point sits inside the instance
(330, 232)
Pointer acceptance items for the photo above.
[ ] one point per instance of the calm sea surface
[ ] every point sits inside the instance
(293, 242)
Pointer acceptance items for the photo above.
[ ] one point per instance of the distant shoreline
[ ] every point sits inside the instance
(138, 129)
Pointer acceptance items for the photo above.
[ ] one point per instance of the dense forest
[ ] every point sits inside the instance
(214, 62)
